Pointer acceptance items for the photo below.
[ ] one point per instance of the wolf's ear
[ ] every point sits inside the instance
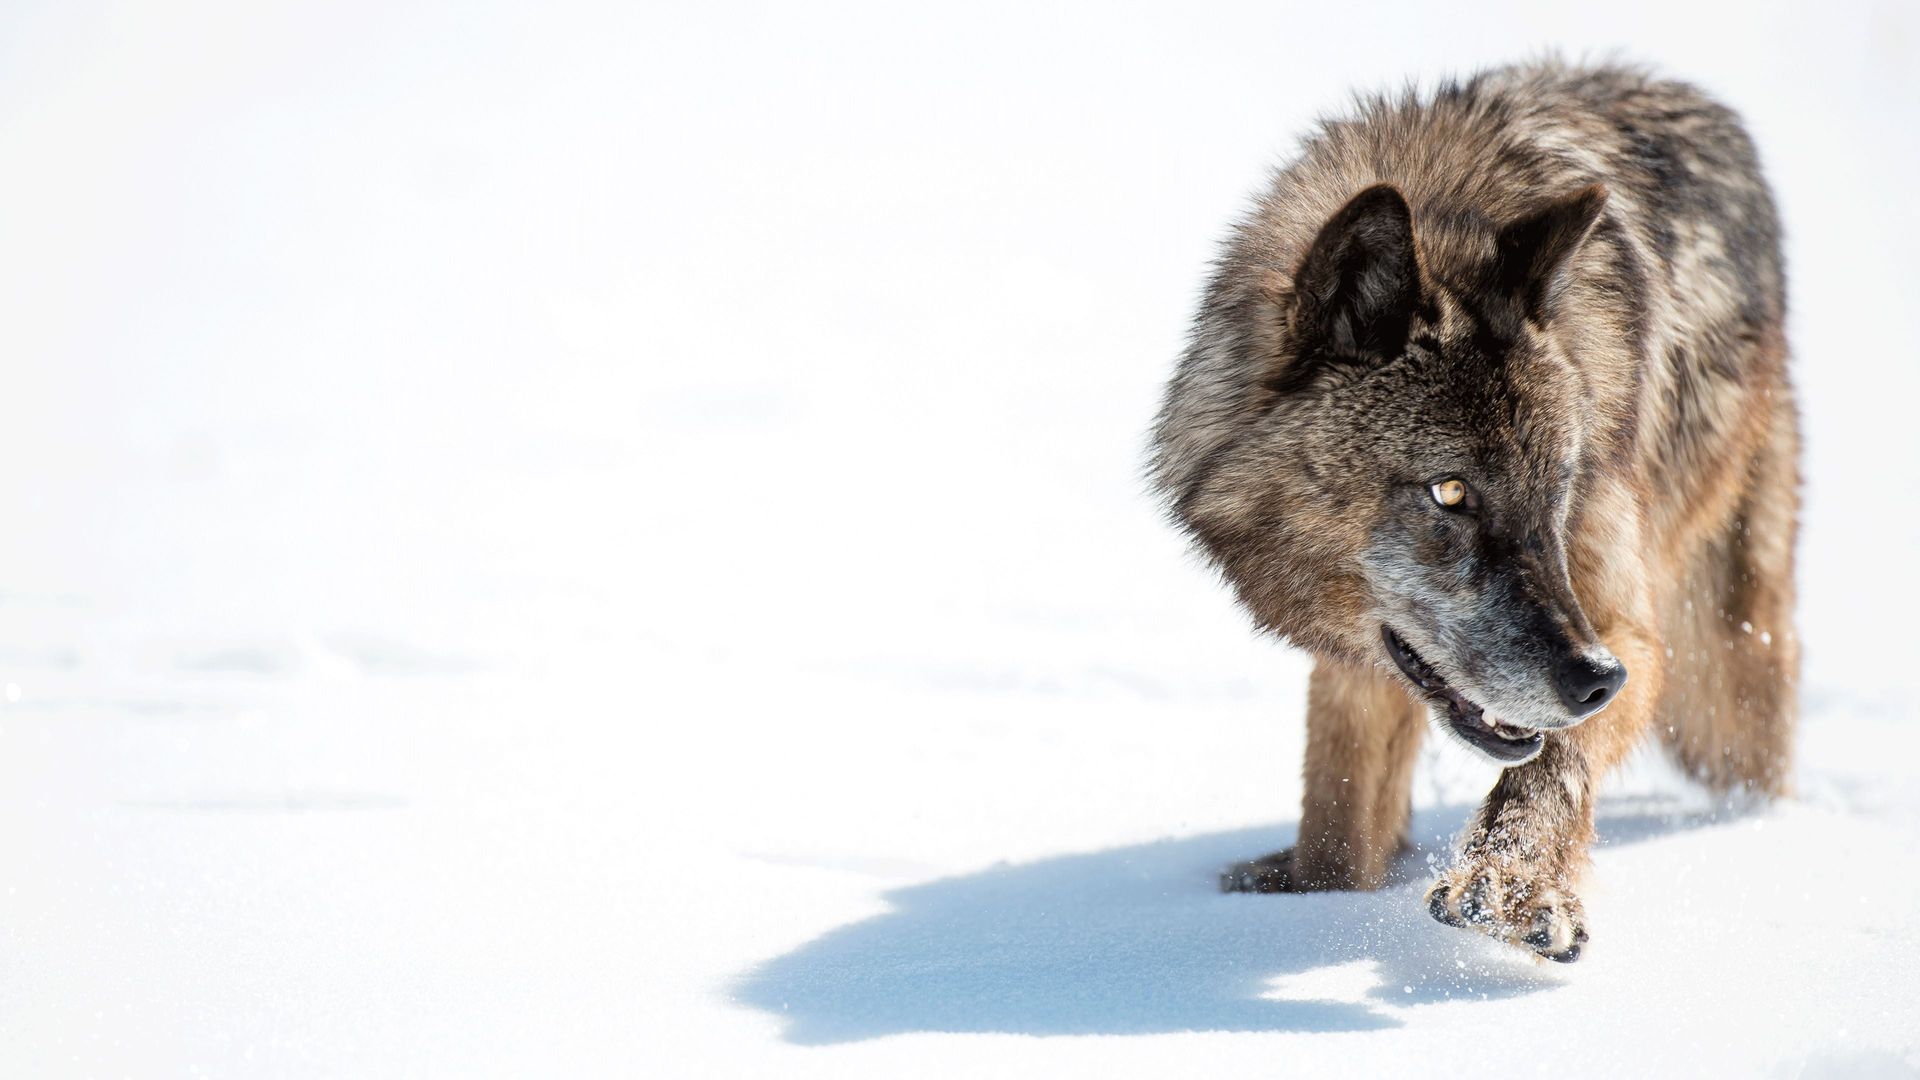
(1534, 251)
(1359, 285)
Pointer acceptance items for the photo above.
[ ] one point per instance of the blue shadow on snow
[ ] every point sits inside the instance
(1137, 940)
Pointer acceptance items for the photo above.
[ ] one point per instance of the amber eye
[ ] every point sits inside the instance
(1450, 493)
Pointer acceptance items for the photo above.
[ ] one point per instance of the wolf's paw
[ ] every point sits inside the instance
(1513, 904)
(1292, 871)
(1267, 874)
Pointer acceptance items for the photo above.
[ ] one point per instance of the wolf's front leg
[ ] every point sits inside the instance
(1363, 731)
(1523, 856)
(1526, 849)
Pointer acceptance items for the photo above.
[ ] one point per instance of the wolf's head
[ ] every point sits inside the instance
(1384, 447)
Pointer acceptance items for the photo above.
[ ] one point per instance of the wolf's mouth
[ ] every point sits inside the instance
(1508, 744)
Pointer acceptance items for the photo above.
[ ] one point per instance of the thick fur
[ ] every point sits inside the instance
(1563, 286)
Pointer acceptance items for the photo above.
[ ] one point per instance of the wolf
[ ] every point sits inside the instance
(1486, 406)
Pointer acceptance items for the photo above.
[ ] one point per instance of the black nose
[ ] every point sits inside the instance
(1586, 684)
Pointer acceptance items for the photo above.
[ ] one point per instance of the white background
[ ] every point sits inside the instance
(566, 540)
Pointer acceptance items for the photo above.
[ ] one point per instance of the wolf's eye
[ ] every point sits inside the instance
(1453, 494)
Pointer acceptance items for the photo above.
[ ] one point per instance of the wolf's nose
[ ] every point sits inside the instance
(1586, 683)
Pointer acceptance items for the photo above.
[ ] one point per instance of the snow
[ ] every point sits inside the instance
(581, 541)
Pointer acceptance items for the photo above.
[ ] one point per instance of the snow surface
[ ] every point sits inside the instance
(568, 541)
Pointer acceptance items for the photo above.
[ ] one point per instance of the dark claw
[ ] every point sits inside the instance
(1541, 940)
(1567, 957)
(1437, 907)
